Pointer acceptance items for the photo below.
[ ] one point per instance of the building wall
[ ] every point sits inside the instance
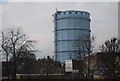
(69, 25)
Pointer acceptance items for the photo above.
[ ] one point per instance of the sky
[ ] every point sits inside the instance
(36, 20)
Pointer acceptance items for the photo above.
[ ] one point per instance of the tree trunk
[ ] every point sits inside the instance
(88, 76)
(14, 63)
(7, 68)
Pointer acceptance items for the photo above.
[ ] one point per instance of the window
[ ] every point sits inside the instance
(67, 12)
(62, 13)
(79, 12)
(73, 12)
(84, 13)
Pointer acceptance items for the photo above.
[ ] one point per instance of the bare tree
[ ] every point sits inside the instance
(84, 47)
(15, 44)
(109, 53)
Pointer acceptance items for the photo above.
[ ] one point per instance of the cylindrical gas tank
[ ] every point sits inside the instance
(68, 26)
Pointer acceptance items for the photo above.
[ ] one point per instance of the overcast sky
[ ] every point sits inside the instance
(36, 20)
